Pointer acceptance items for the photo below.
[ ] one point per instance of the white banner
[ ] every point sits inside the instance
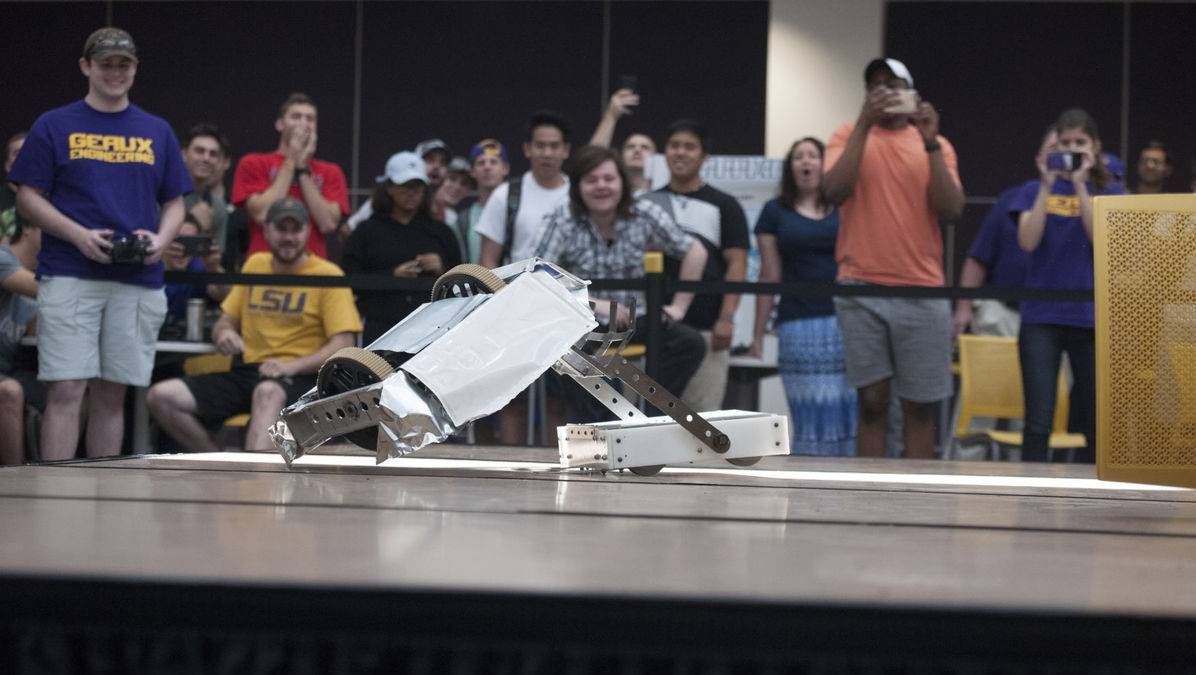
(751, 179)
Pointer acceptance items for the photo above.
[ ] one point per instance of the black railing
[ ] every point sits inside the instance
(656, 287)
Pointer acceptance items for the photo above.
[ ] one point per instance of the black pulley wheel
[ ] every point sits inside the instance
(348, 369)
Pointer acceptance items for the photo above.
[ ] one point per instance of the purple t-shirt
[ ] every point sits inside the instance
(1063, 258)
(104, 171)
(996, 245)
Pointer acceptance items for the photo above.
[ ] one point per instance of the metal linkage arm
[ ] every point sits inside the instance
(619, 368)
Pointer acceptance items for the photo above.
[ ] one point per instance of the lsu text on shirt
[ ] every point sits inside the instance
(288, 322)
(1063, 258)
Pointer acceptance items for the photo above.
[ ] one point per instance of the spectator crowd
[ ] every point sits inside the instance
(99, 199)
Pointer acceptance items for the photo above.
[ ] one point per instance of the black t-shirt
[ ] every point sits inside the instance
(8, 196)
(377, 246)
(718, 221)
(807, 249)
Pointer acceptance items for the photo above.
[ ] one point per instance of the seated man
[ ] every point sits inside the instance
(18, 291)
(281, 334)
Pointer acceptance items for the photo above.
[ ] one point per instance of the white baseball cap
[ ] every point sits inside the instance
(403, 167)
(896, 67)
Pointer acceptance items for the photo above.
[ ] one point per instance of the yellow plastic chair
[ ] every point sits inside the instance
(202, 364)
(990, 385)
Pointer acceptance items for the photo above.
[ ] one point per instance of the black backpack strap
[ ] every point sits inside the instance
(514, 189)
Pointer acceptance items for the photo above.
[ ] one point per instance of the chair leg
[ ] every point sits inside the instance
(537, 410)
(533, 402)
(547, 434)
(33, 428)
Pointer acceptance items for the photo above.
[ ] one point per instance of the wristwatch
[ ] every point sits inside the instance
(933, 146)
(301, 171)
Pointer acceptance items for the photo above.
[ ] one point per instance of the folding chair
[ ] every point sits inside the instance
(990, 385)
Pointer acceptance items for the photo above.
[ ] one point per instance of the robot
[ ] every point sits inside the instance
(486, 336)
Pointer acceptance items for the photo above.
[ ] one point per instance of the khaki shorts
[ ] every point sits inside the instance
(708, 387)
(88, 329)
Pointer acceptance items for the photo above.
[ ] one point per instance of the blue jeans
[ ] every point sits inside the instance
(1040, 348)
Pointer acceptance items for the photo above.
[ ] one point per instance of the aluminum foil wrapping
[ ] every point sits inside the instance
(281, 437)
(408, 417)
(497, 351)
(471, 356)
(418, 419)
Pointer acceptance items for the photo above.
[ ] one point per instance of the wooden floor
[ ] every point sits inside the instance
(474, 559)
(880, 533)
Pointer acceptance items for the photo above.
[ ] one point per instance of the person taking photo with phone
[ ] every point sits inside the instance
(1055, 226)
(895, 179)
(638, 148)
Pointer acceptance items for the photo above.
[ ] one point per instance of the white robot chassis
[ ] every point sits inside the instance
(485, 337)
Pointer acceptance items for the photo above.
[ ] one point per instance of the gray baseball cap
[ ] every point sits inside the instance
(432, 145)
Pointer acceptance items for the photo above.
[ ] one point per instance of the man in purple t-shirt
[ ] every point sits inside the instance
(105, 181)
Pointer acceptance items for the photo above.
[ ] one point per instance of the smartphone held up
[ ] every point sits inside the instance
(1064, 161)
(906, 102)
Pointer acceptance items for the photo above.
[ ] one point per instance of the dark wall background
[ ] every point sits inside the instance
(461, 71)
(998, 71)
(1001, 72)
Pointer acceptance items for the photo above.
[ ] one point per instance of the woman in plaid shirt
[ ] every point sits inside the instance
(603, 234)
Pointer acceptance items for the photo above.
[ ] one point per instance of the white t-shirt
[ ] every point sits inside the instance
(535, 203)
(362, 214)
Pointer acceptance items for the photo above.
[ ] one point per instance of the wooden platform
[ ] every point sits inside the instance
(955, 561)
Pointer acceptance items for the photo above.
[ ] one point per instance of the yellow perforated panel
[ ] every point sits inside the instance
(1145, 257)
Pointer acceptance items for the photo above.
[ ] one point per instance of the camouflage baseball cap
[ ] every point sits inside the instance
(109, 40)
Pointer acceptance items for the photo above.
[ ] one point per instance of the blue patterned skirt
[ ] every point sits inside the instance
(822, 405)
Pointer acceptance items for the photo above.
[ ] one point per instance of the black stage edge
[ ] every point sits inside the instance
(69, 626)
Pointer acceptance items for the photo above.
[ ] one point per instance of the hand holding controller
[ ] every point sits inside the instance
(129, 249)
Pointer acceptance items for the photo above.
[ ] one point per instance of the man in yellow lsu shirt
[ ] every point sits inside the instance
(279, 336)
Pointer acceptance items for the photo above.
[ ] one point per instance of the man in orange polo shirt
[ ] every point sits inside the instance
(895, 179)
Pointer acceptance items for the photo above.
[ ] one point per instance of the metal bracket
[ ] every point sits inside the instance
(314, 421)
(610, 397)
(617, 367)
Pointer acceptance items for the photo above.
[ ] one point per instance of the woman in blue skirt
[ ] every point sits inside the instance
(796, 235)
